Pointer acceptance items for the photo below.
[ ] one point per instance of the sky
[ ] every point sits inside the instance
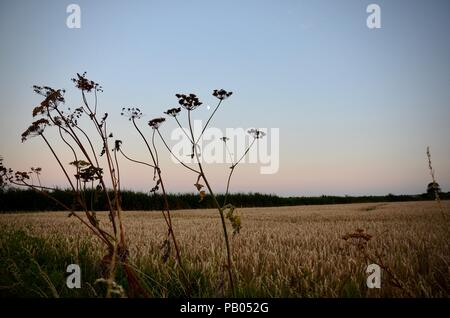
(355, 107)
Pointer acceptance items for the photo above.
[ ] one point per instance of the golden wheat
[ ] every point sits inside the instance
(285, 251)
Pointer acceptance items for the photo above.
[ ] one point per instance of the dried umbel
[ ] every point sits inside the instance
(117, 145)
(257, 134)
(173, 111)
(358, 235)
(86, 171)
(21, 176)
(156, 122)
(72, 118)
(221, 94)
(35, 129)
(188, 102)
(36, 170)
(85, 84)
(131, 113)
(53, 98)
(358, 239)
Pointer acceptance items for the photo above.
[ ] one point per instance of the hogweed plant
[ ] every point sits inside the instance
(359, 240)
(435, 186)
(87, 174)
(226, 211)
(95, 164)
(190, 102)
(134, 114)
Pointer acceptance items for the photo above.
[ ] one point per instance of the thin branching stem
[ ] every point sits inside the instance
(166, 203)
(136, 161)
(435, 187)
(170, 151)
(207, 122)
(154, 147)
(222, 217)
(59, 161)
(184, 131)
(233, 166)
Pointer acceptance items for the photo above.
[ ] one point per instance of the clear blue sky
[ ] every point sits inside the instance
(356, 107)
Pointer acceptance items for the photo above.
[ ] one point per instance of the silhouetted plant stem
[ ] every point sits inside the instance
(88, 158)
(184, 131)
(40, 189)
(154, 147)
(170, 151)
(207, 122)
(435, 188)
(59, 161)
(233, 166)
(135, 161)
(219, 208)
(166, 203)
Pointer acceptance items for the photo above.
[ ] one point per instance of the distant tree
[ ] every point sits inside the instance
(432, 188)
(3, 172)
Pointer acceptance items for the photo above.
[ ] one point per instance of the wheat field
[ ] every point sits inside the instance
(279, 252)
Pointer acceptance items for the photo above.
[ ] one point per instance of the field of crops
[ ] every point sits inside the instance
(279, 252)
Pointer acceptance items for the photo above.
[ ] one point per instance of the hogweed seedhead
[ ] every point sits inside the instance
(156, 122)
(256, 133)
(36, 170)
(358, 238)
(188, 102)
(20, 177)
(221, 94)
(86, 85)
(53, 98)
(72, 118)
(36, 128)
(117, 145)
(173, 111)
(86, 172)
(131, 113)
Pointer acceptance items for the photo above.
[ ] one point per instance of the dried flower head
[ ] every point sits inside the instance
(72, 118)
(358, 238)
(57, 121)
(156, 122)
(221, 94)
(173, 111)
(21, 176)
(189, 102)
(35, 129)
(36, 170)
(86, 171)
(131, 113)
(53, 98)
(85, 84)
(117, 145)
(256, 133)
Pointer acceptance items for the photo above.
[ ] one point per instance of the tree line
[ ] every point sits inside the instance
(14, 199)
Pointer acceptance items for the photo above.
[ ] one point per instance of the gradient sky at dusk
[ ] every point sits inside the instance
(356, 108)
